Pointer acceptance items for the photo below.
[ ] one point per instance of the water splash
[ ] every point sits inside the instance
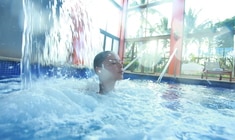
(136, 110)
(57, 33)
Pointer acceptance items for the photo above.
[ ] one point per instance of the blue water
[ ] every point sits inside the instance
(58, 108)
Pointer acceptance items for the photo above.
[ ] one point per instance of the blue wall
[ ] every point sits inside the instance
(11, 27)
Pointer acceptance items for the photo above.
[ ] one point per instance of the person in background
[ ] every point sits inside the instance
(109, 68)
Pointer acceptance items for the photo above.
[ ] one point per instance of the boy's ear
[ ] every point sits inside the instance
(98, 70)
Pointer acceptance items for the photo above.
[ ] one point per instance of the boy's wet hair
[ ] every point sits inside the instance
(99, 58)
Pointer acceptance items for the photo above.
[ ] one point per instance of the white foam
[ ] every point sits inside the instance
(72, 109)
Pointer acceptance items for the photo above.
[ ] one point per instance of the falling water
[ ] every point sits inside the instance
(26, 44)
(57, 33)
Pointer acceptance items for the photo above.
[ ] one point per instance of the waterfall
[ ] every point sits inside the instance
(57, 33)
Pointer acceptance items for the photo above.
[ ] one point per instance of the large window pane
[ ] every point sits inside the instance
(106, 15)
(151, 21)
(209, 32)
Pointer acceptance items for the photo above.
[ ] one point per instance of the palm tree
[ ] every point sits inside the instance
(197, 34)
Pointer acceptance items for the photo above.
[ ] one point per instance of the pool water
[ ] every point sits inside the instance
(58, 108)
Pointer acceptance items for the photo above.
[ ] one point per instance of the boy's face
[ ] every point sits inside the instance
(112, 67)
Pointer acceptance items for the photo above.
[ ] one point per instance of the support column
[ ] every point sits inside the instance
(176, 39)
(122, 30)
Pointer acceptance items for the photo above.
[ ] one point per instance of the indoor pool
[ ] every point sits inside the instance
(70, 108)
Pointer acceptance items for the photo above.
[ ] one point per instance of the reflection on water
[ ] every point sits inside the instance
(72, 109)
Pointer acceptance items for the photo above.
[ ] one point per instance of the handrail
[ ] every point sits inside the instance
(127, 66)
(9, 58)
(164, 70)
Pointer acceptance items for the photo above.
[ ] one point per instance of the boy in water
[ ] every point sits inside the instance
(109, 68)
